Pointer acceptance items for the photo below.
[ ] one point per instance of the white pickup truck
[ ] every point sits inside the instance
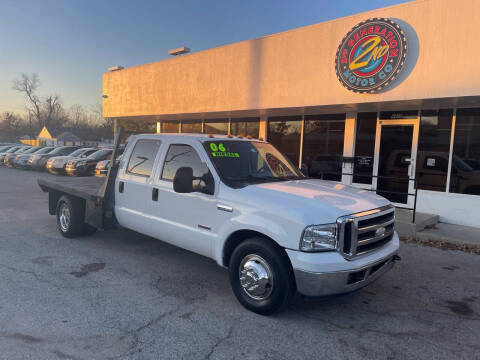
(242, 203)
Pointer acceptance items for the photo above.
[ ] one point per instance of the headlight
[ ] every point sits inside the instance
(319, 238)
(80, 164)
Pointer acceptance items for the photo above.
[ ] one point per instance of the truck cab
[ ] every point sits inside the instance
(242, 203)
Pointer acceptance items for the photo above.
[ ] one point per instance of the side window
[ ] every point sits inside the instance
(142, 157)
(184, 155)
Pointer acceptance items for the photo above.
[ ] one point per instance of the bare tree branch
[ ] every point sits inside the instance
(28, 85)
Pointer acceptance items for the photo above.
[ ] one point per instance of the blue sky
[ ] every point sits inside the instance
(70, 43)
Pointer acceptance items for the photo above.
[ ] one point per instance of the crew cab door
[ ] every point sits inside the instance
(187, 220)
(133, 186)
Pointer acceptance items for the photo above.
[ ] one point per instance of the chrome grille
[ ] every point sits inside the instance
(367, 231)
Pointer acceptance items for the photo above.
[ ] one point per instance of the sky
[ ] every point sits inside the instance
(70, 43)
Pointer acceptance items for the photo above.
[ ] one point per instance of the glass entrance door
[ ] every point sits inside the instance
(395, 154)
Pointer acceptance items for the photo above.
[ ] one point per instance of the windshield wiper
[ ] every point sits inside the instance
(294, 177)
(254, 177)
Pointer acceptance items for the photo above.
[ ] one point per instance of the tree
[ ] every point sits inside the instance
(28, 85)
(41, 112)
(87, 123)
(13, 126)
(52, 111)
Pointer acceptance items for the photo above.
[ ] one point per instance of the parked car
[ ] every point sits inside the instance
(4, 148)
(38, 161)
(12, 158)
(9, 151)
(102, 167)
(242, 203)
(22, 161)
(8, 156)
(56, 165)
(86, 166)
(431, 172)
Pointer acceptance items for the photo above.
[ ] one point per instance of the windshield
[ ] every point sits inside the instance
(78, 153)
(22, 150)
(240, 163)
(100, 154)
(44, 150)
(31, 150)
(12, 150)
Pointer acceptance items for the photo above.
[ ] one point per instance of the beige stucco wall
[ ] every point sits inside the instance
(296, 68)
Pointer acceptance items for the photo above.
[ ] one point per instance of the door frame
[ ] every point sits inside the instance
(413, 162)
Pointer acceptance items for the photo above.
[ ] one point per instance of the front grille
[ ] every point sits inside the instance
(364, 232)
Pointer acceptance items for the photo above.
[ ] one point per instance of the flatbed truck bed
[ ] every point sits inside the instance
(91, 196)
(88, 188)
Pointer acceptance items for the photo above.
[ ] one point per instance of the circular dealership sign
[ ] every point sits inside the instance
(371, 55)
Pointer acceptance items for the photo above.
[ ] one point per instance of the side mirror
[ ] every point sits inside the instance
(183, 180)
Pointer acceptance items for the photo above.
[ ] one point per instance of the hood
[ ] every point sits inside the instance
(76, 160)
(313, 199)
(43, 155)
(62, 158)
(103, 164)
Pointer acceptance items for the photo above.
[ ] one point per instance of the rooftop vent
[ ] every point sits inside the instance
(179, 51)
(115, 68)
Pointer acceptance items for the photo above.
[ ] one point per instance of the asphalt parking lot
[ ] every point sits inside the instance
(121, 295)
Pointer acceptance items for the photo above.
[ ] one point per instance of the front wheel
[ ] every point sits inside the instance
(261, 276)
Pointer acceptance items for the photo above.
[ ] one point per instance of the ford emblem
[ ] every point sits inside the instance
(380, 231)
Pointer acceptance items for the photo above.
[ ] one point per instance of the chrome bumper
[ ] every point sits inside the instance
(323, 284)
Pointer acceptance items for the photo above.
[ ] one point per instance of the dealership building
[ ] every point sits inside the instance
(387, 100)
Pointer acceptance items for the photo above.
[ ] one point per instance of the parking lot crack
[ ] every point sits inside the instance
(135, 333)
(33, 273)
(219, 342)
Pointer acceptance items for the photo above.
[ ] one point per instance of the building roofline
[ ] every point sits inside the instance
(407, 3)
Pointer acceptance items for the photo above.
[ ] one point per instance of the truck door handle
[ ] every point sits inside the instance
(121, 186)
(155, 194)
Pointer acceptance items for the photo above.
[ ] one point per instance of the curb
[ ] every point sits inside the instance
(444, 244)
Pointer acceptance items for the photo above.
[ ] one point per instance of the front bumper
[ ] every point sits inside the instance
(55, 169)
(74, 171)
(22, 164)
(343, 275)
(101, 172)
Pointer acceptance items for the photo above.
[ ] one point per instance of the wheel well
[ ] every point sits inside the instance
(54, 196)
(236, 238)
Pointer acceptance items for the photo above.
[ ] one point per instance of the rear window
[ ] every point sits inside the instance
(143, 157)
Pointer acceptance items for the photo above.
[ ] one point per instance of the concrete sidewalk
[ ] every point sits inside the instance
(429, 231)
(450, 233)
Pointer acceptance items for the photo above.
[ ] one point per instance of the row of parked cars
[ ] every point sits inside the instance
(60, 160)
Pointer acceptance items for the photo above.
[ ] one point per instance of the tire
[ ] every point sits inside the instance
(260, 257)
(70, 213)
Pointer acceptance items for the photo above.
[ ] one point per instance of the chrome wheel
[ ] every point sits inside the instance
(64, 217)
(256, 277)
